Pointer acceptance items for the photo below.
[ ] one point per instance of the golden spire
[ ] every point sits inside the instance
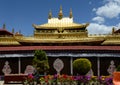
(50, 15)
(113, 30)
(70, 16)
(60, 15)
(4, 26)
(13, 30)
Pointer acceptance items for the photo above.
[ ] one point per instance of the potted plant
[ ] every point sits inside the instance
(116, 76)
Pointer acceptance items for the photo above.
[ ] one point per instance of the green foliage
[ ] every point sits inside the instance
(82, 66)
(41, 55)
(118, 68)
(40, 61)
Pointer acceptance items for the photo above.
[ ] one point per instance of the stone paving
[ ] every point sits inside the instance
(1, 82)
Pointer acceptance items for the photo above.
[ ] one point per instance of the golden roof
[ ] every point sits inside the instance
(38, 40)
(59, 25)
(111, 42)
(8, 41)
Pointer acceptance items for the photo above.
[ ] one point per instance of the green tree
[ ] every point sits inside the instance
(82, 65)
(40, 61)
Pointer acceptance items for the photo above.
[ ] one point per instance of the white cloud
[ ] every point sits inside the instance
(114, 1)
(118, 25)
(117, 1)
(94, 9)
(98, 19)
(95, 28)
(110, 10)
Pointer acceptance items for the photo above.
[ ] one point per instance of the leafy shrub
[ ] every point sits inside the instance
(81, 66)
(40, 61)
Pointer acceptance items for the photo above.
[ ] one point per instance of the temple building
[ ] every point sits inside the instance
(61, 38)
(60, 31)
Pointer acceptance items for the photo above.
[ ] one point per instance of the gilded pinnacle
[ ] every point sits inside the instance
(70, 16)
(50, 15)
(60, 15)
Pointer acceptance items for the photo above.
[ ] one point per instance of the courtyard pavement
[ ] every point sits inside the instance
(1, 82)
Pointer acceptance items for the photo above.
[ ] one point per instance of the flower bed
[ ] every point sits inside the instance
(68, 80)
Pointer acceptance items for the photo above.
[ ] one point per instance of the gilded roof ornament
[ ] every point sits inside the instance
(50, 15)
(13, 30)
(4, 26)
(34, 25)
(87, 24)
(71, 15)
(60, 15)
(113, 30)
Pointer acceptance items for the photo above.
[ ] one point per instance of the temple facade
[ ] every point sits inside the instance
(61, 38)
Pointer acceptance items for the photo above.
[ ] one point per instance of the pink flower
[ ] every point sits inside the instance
(30, 76)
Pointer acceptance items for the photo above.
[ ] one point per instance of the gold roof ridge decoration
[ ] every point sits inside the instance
(60, 22)
(60, 15)
(50, 14)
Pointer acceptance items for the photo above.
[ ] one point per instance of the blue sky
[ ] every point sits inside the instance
(21, 14)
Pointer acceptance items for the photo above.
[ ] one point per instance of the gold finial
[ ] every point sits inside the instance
(113, 30)
(87, 24)
(13, 30)
(60, 15)
(50, 15)
(70, 16)
(4, 26)
(61, 9)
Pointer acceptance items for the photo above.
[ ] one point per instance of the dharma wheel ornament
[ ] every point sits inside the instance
(58, 65)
